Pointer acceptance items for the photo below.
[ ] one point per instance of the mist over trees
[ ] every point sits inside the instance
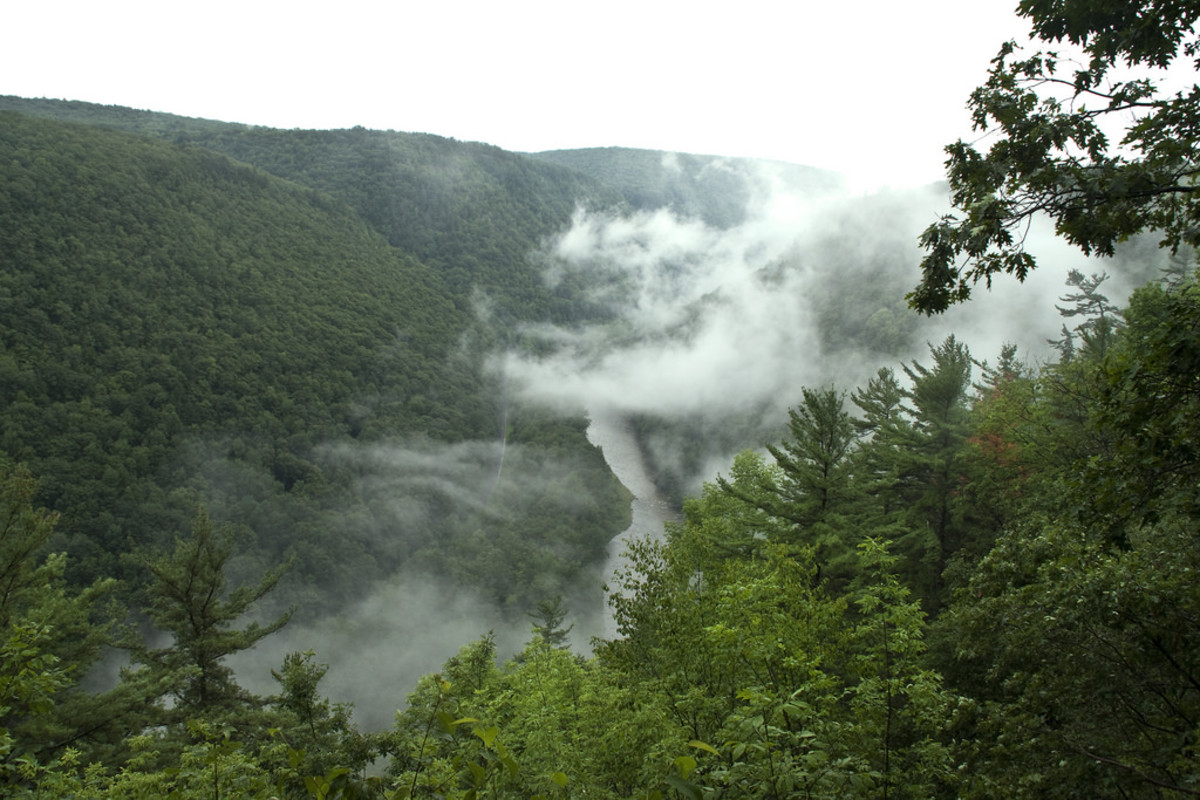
(331, 389)
(821, 622)
(186, 328)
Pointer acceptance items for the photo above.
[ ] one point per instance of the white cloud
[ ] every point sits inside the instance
(720, 321)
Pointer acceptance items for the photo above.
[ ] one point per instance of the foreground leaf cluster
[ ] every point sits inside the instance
(1094, 131)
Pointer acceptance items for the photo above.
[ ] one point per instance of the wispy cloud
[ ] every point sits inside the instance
(719, 323)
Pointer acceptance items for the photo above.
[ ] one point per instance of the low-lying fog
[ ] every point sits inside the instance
(699, 321)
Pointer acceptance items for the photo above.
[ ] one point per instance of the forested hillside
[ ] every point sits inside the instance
(480, 218)
(179, 328)
(472, 211)
(957, 580)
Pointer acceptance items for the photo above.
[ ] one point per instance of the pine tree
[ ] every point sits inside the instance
(49, 637)
(548, 619)
(810, 491)
(1100, 320)
(939, 395)
(883, 429)
(190, 599)
(813, 457)
(909, 463)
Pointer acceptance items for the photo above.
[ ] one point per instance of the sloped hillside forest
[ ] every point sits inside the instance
(289, 417)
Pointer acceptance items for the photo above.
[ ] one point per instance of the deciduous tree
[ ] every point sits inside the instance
(1049, 116)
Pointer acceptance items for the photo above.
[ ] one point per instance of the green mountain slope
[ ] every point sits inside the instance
(472, 215)
(176, 326)
(472, 211)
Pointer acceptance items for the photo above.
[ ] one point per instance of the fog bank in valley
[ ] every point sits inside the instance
(710, 331)
(377, 649)
(409, 623)
(722, 327)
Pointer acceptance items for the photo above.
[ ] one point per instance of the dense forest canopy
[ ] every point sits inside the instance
(181, 328)
(823, 622)
(472, 211)
(962, 574)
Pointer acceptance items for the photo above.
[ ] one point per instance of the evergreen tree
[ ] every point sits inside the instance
(49, 638)
(320, 736)
(548, 619)
(190, 599)
(811, 488)
(813, 458)
(884, 430)
(932, 472)
(1099, 316)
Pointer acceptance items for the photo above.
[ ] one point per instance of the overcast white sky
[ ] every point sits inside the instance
(873, 88)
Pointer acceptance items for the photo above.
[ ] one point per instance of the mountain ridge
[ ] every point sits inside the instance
(179, 327)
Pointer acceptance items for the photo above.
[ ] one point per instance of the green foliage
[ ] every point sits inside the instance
(159, 305)
(897, 472)
(796, 694)
(775, 644)
(1150, 407)
(910, 466)
(438, 748)
(171, 319)
(898, 701)
(1067, 639)
(1050, 115)
(190, 599)
(931, 472)
(258, 421)
(48, 639)
(1061, 504)
(814, 457)
(1090, 680)
(325, 752)
(471, 211)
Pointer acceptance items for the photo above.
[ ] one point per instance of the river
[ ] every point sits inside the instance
(613, 434)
